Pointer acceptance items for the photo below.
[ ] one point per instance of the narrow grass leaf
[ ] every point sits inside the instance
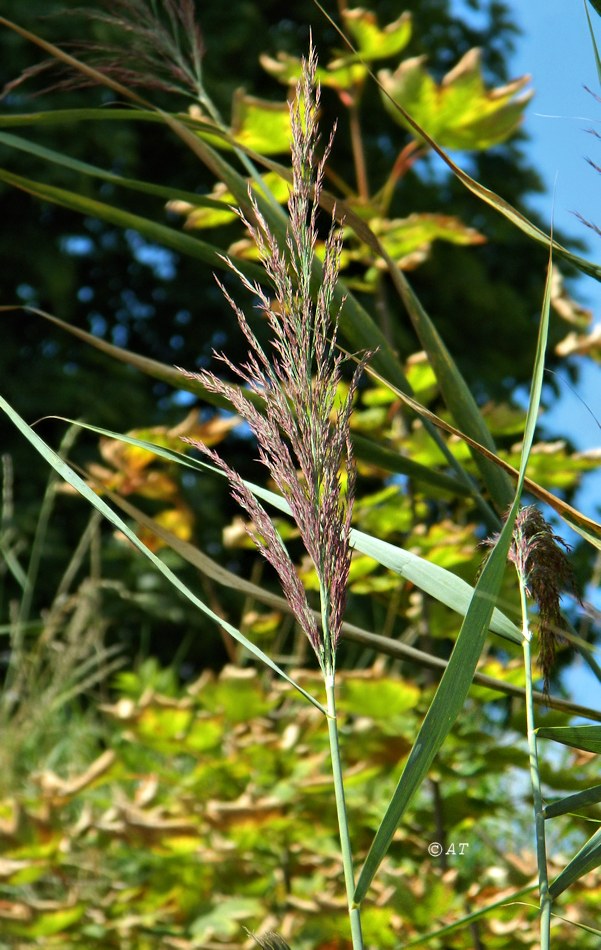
(576, 923)
(577, 737)
(161, 233)
(470, 918)
(76, 482)
(94, 114)
(590, 796)
(587, 859)
(454, 389)
(94, 171)
(446, 705)
(443, 585)
(457, 678)
(586, 527)
(597, 6)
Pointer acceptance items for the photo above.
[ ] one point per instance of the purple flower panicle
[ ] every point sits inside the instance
(300, 420)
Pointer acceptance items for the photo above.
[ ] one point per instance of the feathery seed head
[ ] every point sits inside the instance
(301, 430)
(540, 559)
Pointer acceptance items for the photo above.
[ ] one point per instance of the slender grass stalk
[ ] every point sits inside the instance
(537, 798)
(303, 434)
(345, 842)
(543, 570)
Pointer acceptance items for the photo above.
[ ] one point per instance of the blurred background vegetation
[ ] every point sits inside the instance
(85, 604)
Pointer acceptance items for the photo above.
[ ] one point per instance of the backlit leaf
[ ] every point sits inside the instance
(257, 124)
(287, 69)
(408, 240)
(373, 42)
(460, 113)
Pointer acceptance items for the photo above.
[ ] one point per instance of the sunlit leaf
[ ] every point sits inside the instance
(46, 923)
(287, 69)
(220, 212)
(373, 42)
(375, 697)
(460, 113)
(257, 124)
(408, 240)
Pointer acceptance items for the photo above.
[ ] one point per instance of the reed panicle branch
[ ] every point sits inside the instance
(302, 427)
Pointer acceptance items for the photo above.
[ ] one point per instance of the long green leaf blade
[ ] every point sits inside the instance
(590, 796)
(441, 584)
(457, 678)
(597, 7)
(94, 171)
(73, 479)
(161, 233)
(577, 737)
(587, 859)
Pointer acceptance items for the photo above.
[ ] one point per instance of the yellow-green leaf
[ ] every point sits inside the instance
(219, 211)
(460, 113)
(371, 41)
(408, 240)
(338, 75)
(257, 124)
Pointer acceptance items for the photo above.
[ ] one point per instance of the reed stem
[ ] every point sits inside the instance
(345, 842)
(537, 798)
